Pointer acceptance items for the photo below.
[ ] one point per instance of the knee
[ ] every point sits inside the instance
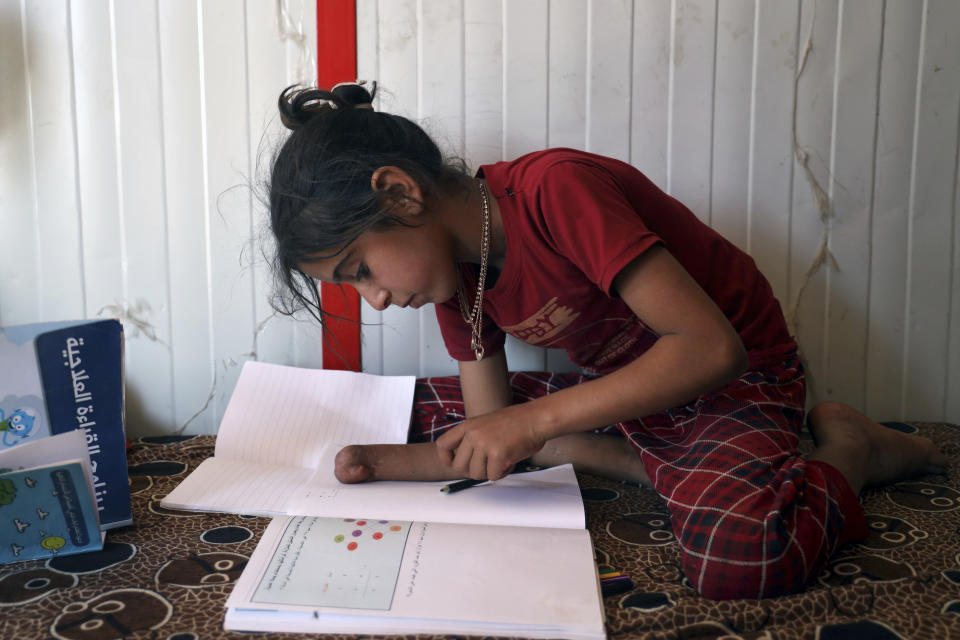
(736, 584)
(732, 582)
(740, 569)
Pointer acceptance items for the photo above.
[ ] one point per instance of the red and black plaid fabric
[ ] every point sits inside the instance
(753, 518)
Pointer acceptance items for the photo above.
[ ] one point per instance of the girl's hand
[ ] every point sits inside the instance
(488, 446)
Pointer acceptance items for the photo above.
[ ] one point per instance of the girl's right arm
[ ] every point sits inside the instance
(485, 384)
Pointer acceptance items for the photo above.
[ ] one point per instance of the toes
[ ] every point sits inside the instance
(938, 462)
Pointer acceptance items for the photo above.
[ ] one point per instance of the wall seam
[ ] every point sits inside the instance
(76, 158)
(751, 142)
(865, 371)
(164, 206)
(951, 335)
(671, 60)
(831, 185)
(32, 141)
(118, 144)
(205, 161)
(630, 61)
(250, 245)
(713, 115)
(911, 214)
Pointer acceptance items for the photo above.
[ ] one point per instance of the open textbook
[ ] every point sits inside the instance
(284, 426)
(359, 576)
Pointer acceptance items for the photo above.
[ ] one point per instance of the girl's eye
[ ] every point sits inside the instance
(362, 272)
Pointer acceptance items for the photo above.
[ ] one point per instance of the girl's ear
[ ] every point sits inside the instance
(399, 190)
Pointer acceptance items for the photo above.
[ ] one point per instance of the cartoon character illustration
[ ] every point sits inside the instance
(18, 425)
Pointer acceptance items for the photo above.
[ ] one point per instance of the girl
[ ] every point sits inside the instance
(684, 347)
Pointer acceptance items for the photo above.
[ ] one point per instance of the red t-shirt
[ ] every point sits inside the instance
(573, 220)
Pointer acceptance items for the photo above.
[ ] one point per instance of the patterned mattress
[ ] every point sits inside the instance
(167, 577)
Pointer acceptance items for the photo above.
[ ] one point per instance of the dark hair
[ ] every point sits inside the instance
(320, 193)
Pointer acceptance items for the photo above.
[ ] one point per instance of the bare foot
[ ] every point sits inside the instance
(866, 452)
(609, 456)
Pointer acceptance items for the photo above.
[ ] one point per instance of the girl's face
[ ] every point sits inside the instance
(403, 266)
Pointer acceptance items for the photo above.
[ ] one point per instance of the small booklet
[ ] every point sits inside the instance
(48, 506)
(283, 428)
(366, 576)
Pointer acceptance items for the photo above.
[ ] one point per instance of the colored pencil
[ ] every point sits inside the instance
(460, 485)
(614, 586)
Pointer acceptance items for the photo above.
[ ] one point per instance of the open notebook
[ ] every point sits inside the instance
(284, 426)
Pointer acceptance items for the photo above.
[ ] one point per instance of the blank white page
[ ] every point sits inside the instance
(282, 415)
(547, 498)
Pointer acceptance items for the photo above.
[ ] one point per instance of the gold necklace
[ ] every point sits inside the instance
(475, 317)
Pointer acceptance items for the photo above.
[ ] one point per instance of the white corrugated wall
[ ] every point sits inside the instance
(821, 137)
(131, 136)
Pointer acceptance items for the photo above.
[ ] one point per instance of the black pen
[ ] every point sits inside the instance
(460, 485)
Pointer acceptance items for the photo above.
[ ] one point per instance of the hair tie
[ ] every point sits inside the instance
(355, 94)
(299, 105)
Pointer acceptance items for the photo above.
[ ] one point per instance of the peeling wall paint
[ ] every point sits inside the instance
(822, 202)
(135, 318)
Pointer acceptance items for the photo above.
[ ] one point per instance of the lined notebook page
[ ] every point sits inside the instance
(237, 487)
(286, 416)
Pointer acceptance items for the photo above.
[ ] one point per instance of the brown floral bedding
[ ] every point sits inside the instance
(167, 576)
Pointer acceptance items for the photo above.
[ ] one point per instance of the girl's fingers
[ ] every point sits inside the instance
(446, 457)
(448, 443)
(470, 462)
(461, 459)
(478, 466)
(497, 471)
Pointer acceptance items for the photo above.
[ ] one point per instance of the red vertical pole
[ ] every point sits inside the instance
(337, 62)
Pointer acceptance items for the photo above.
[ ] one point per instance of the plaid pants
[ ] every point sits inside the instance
(752, 517)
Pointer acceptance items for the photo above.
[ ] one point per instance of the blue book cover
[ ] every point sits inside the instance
(57, 377)
(46, 511)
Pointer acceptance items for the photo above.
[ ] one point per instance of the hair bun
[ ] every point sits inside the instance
(356, 94)
(298, 105)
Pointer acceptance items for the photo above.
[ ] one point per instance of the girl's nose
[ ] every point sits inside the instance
(377, 297)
